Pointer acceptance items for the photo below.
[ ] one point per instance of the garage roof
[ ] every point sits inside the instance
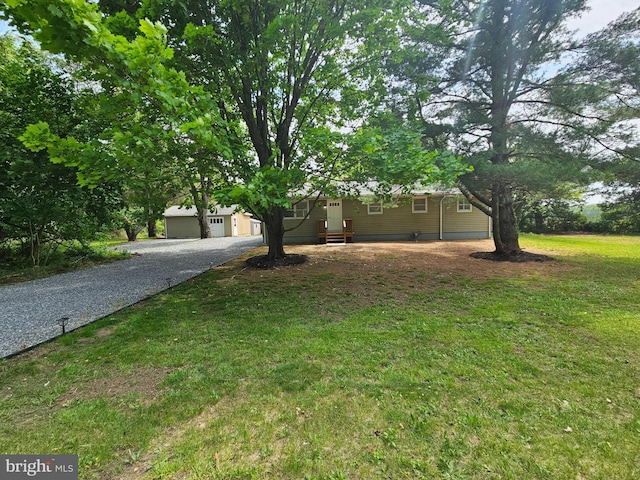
(176, 211)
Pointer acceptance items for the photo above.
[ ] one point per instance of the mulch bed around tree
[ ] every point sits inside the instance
(262, 261)
(521, 257)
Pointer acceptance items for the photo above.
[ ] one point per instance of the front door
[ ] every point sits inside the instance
(334, 216)
(217, 226)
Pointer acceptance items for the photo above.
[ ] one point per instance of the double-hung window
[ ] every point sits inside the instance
(463, 205)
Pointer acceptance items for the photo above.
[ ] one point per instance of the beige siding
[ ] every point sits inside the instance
(397, 220)
(244, 224)
(182, 227)
(187, 227)
(459, 222)
(227, 224)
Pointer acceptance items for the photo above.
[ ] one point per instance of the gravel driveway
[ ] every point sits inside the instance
(29, 311)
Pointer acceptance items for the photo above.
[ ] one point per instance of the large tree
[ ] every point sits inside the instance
(297, 77)
(488, 90)
(297, 73)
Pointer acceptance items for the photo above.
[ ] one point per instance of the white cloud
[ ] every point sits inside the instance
(601, 14)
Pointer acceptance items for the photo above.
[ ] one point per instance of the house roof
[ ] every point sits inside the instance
(369, 190)
(176, 211)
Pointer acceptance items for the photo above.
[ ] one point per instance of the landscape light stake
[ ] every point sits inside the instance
(63, 323)
(168, 279)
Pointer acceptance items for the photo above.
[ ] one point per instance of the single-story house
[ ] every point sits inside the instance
(426, 216)
(182, 222)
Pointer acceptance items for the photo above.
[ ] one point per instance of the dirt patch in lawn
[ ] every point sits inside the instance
(370, 273)
(143, 383)
(393, 261)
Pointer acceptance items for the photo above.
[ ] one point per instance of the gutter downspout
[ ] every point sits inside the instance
(441, 221)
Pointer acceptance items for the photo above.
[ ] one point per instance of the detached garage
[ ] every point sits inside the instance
(182, 222)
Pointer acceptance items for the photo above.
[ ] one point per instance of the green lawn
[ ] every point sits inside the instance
(356, 365)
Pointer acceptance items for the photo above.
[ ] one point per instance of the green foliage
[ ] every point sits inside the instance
(621, 217)
(41, 203)
(621, 213)
(16, 264)
(268, 187)
(554, 216)
(388, 154)
(608, 75)
(291, 79)
(491, 94)
(279, 76)
(150, 130)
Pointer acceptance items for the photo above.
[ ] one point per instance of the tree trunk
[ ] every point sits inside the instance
(35, 250)
(539, 220)
(131, 230)
(132, 234)
(151, 229)
(275, 233)
(495, 223)
(505, 226)
(203, 221)
(201, 201)
(505, 231)
(34, 245)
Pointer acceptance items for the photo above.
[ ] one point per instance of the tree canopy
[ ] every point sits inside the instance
(608, 66)
(254, 101)
(483, 90)
(41, 204)
(294, 81)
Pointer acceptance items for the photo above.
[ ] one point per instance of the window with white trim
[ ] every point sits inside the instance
(374, 208)
(419, 205)
(463, 205)
(299, 210)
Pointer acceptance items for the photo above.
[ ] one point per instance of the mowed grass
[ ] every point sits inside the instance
(356, 365)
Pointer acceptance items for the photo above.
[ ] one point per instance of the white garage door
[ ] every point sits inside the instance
(217, 226)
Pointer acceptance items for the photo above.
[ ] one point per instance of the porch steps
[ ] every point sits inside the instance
(335, 237)
(338, 237)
